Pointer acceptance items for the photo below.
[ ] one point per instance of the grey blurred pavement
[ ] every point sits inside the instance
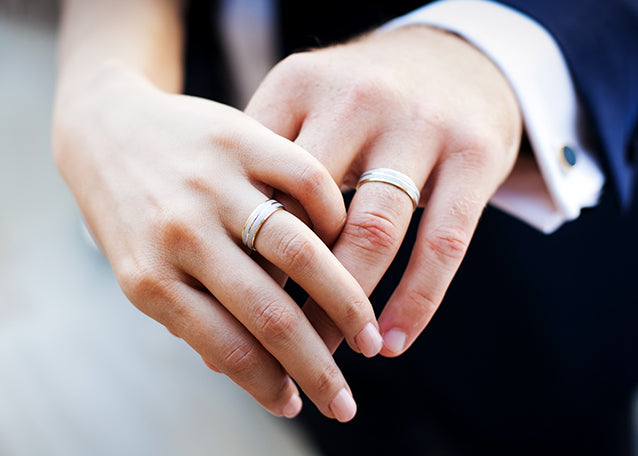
(82, 372)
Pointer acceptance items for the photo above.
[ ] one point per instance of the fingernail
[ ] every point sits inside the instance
(211, 367)
(343, 406)
(369, 341)
(394, 340)
(293, 407)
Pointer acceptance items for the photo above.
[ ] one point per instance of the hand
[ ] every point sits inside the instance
(165, 183)
(420, 101)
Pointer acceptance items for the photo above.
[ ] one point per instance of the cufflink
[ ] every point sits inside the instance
(567, 157)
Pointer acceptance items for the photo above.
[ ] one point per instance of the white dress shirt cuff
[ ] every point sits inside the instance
(526, 53)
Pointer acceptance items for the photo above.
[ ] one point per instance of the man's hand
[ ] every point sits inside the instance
(423, 102)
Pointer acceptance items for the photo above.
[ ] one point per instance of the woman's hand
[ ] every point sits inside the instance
(417, 100)
(166, 183)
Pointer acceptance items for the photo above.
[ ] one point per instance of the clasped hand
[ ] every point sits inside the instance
(418, 100)
(166, 183)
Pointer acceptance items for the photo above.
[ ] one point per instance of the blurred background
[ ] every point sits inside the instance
(81, 370)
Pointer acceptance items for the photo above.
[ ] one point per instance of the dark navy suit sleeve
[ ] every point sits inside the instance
(600, 42)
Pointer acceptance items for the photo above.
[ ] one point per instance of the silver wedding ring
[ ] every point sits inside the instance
(255, 221)
(392, 177)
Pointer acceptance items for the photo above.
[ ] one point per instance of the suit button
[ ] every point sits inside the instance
(567, 157)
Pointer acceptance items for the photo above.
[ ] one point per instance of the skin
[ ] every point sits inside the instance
(421, 101)
(165, 183)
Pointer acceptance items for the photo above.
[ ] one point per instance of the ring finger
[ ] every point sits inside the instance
(378, 218)
(291, 246)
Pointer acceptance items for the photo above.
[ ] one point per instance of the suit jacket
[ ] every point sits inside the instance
(599, 40)
(533, 349)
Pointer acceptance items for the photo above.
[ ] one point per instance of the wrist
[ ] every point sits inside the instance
(103, 80)
(90, 101)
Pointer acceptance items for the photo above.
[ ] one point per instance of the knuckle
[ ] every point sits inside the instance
(140, 282)
(326, 379)
(475, 157)
(297, 251)
(421, 120)
(353, 312)
(320, 320)
(448, 244)
(178, 231)
(467, 207)
(361, 89)
(293, 67)
(433, 116)
(312, 179)
(198, 183)
(152, 290)
(276, 323)
(241, 361)
(227, 142)
(475, 147)
(369, 89)
(373, 232)
(475, 136)
(423, 302)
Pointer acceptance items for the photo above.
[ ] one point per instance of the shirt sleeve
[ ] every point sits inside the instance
(562, 177)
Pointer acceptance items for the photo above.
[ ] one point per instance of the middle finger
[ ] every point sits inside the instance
(275, 320)
(378, 219)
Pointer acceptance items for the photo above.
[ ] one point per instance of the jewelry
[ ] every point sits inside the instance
(255, 221)
(392, 177)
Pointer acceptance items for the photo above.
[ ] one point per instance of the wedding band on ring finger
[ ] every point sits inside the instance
(255, 221)
(395, 178)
